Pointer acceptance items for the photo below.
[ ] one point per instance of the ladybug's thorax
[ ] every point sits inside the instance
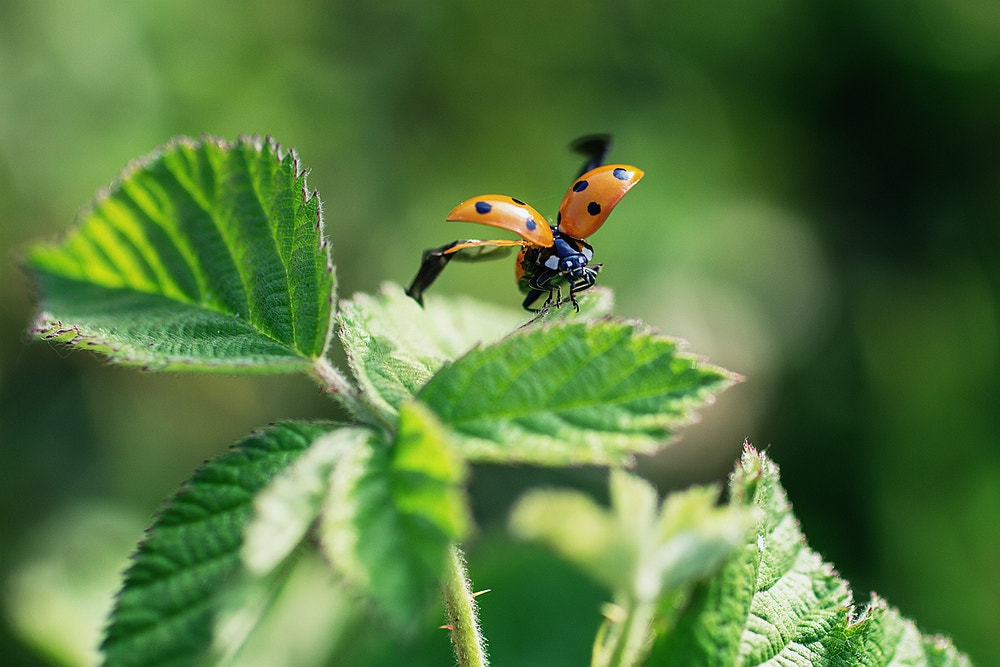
(571, 255)
(565, 260)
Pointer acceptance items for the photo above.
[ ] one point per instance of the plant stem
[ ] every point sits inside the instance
(623, 643)
(335, 382)
(466, 637)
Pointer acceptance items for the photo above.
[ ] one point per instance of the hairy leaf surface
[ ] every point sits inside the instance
(570, 393)
(186, 567)
(204, 255)
(776, 602)
(392, 514)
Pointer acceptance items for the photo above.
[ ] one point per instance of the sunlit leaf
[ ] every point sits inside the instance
(203, 255)
(394, 346)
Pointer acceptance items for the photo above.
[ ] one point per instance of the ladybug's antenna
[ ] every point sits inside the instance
(594, 147)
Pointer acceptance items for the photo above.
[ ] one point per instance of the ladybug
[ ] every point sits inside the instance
(551, 256)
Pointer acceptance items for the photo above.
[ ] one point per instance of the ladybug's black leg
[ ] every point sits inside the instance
(546, 283)
(533, 296)
(432, 263)
(572, 298)
(464, 250)
(557, 291)
(554, 298)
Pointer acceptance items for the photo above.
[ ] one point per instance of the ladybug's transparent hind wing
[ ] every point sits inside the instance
(473, 250)
(464, 250)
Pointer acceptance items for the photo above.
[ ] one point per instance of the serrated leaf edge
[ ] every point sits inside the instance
(47, 327)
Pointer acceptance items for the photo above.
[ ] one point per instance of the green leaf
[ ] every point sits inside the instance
(582, 532)
(776, 602)
(596, 303)
(392, 514)
(571, 393)
(293, 499)
(643, 551)
(394, 346)
(886, 638)
(203, 255)
(189, 562)
(637, 546)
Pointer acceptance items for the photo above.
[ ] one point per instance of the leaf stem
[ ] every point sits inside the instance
(466, 636)
(623, 643)
(335, 382)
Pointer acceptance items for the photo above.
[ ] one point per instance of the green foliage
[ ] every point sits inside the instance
(163, 615)
(645, 553)
(211, 256)
(393, 511)
(597, 392)
(394, 347)
(203, 255)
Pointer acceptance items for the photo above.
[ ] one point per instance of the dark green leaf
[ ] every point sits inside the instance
(184, 569)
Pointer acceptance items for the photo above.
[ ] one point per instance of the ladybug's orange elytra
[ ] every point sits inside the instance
(506, 213)
(591, 198)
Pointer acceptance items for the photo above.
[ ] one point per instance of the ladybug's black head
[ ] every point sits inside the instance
(570, 257)
(573, 265)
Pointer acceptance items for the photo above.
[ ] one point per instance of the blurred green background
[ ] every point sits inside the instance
(821, 213)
